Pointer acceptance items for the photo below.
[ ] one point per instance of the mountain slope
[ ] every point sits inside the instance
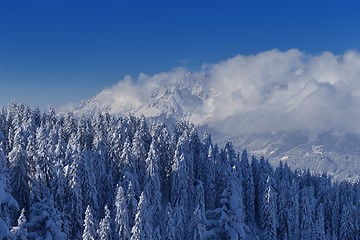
(329, 152)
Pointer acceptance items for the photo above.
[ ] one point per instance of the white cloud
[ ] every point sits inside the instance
(277, 90)
(272, 90)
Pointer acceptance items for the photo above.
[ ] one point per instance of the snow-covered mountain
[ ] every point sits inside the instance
(180, 99)
(336, 153)
(287, 106)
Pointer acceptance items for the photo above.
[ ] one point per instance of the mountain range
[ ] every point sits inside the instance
(187, 97)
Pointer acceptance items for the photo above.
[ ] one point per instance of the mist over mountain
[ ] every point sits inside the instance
(281, 104)
(270, 91)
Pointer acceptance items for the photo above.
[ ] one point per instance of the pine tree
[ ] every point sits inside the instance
(169, 223)
(180, 221)
(306, 213)
(87, 179)
(293, 213)
(248, 190)
(209, 166)
(230, 224)
(20, 232)
(139, 151)
(44, 220)
(19, 171)
(89, 232)
(153, 188)
(122, 228)
(179, 189)
(7, 202)
(105, 226)
(142, 228)
(162, 136)
(197, 228)
(268, 211)
(103, 185)
(282, 187)
(131, 203)
(74, 208)
(319, 228)
(43, 159)
(347, 221)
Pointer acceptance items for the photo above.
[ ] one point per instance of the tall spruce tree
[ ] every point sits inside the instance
(105, 230)
(89, 232)
(122, 227)
(170, 231)
(19, 171)
(142, 228)
(20, 231)
(268, 212)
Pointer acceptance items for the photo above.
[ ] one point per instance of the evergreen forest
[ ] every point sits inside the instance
(108, 177)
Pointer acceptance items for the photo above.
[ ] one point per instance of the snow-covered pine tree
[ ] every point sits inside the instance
(165, 147)
(307, 210)
(347, 224)
(169, 224)
(43, 159)
(319, 228)
(179, 191)
(230, 224)
(74, 204)
(248, 190)
(129, 174)
(44, 220)
(140, 151)
(122, 228)
(87, 180)
(142, 228)
(7, 202)
(89, 232)
(209, 172)
(19, 171)
(293, 213)
(105, 230)
(197, 227)
(104, 185)
(153, 189)
(20, 231)
(282, 187)
(131, 203)
(268, 211)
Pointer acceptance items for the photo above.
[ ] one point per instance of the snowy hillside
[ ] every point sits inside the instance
(330, 152)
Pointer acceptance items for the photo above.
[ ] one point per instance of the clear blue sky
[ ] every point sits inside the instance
(59, 51)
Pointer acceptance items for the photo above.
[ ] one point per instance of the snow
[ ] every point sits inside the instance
(318, 149)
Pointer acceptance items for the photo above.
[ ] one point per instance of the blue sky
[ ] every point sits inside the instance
(56, 52)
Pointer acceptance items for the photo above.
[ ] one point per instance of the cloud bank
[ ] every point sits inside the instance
(269, 91)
